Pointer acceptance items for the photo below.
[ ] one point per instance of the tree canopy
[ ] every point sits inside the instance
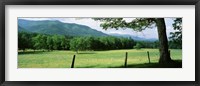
(137, 24)
(176, 37)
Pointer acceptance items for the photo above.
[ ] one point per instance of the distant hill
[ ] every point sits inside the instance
(57, 27)
(21, 29)
(133, 37)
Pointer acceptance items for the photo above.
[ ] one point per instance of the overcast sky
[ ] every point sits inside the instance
(147, 33)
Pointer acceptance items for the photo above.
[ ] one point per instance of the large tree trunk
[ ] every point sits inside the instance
(164, 53)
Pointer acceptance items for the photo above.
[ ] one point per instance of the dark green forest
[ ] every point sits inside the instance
(37, 41)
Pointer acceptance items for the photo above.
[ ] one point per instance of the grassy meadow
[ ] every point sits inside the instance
(94, 59)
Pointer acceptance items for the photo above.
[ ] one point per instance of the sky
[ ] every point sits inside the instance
(147, 33)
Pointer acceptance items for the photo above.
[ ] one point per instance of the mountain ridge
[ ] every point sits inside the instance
(133, 37)
(69, 29)
(57, 27)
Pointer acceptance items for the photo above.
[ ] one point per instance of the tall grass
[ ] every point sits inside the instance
(89, 59)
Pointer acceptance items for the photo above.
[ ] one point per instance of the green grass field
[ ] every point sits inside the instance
(93, 59)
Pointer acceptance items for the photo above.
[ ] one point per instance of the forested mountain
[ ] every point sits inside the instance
(57, 27)
(69, 29)
(133, 37)
(21, 29)
(56, 35)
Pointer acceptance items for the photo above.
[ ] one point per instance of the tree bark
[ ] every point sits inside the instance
(163, 48)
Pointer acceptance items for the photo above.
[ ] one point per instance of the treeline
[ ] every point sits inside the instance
(155, 44)
(100, 43)
(146, 44)
(42, 41)
(38, 41)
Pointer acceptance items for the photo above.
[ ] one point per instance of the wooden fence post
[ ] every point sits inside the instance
(148, 56)
(73, 60)
(126, 57)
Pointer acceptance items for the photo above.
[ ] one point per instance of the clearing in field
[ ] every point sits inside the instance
(95, 59)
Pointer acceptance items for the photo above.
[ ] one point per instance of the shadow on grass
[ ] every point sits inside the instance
(174, 64)
(31, 52)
